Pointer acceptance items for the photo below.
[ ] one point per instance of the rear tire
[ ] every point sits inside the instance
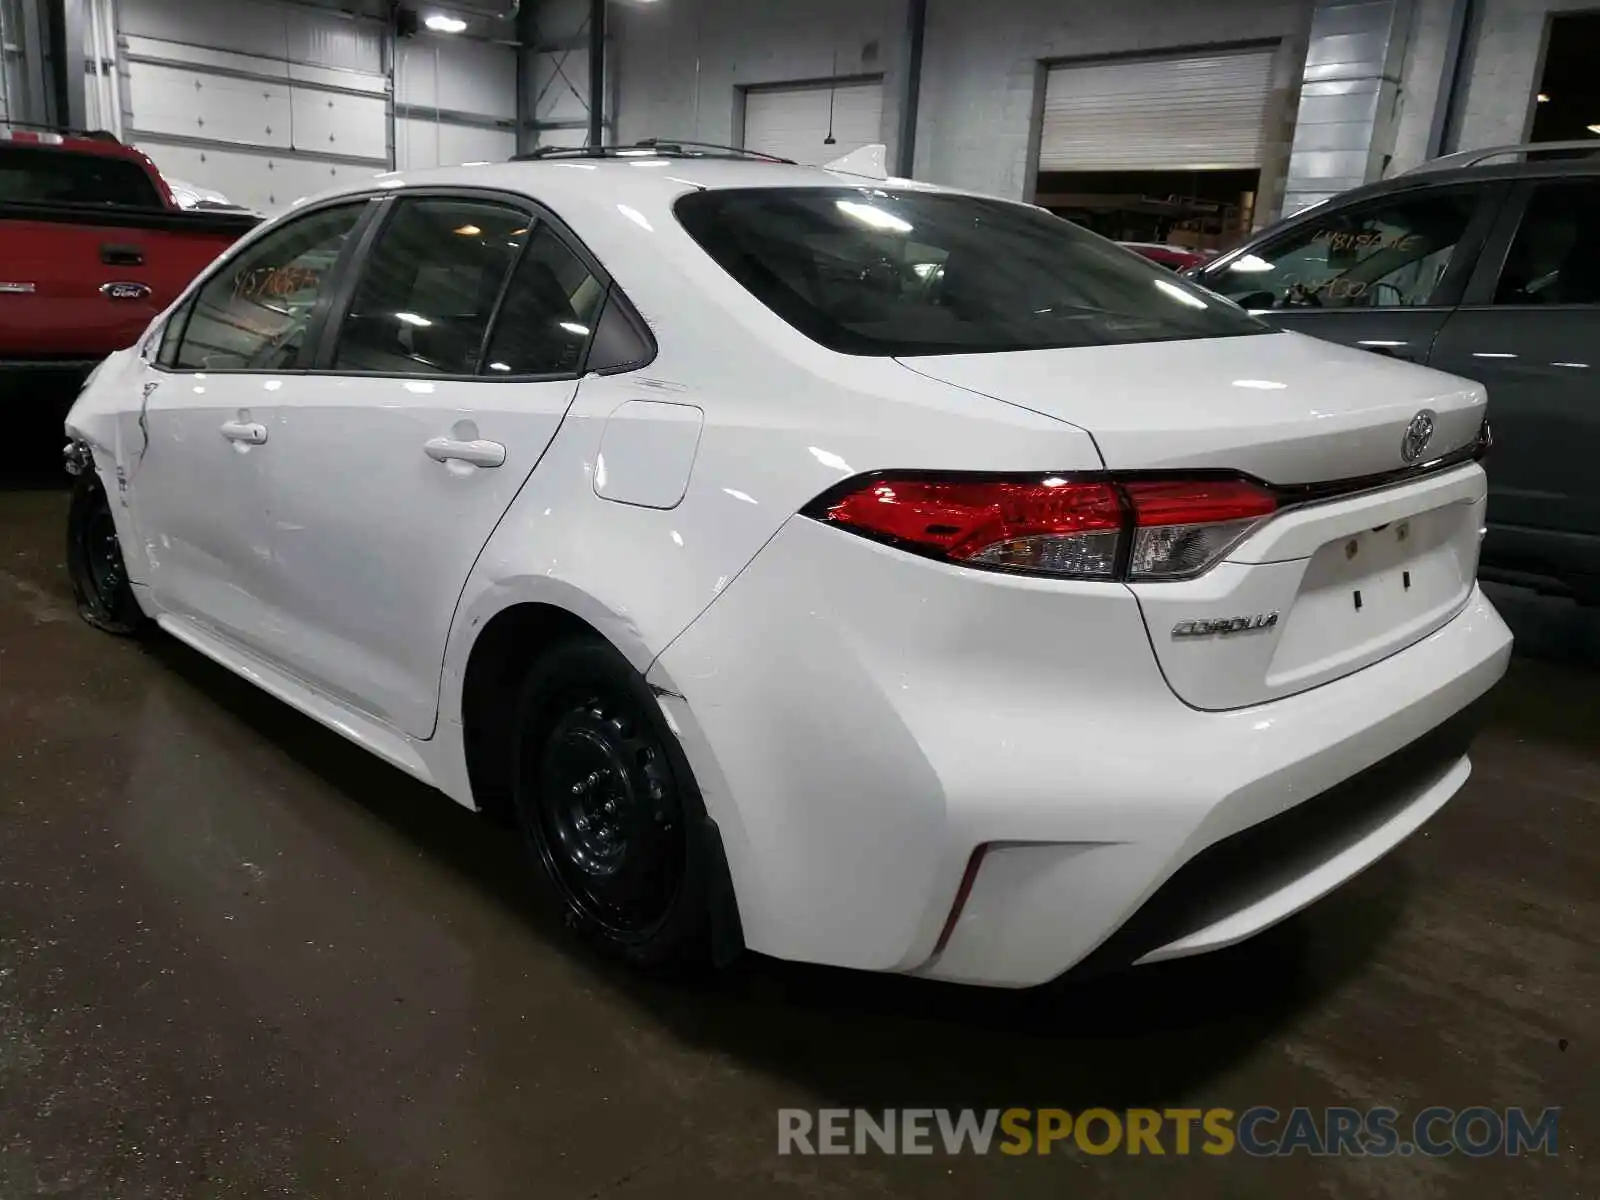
(609, 810)
(94, 561)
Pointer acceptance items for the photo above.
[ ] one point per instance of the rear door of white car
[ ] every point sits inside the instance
(441, 375)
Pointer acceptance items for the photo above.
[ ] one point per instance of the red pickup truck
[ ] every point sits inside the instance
(92, 246)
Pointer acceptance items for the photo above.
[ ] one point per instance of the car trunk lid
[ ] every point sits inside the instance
(1381, 553)
(1279, 406)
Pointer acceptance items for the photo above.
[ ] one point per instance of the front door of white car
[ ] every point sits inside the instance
(199, 485)
(445, 370)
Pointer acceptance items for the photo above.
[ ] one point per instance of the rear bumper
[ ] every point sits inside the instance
(862, 722)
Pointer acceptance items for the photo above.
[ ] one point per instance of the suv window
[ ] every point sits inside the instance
(1555, 258)
(872, 271)
(429, 287)
(1391, 254)
(254, 312)
(36, 176)
(549, 312)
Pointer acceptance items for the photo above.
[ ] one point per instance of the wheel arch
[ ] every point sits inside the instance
(504, 641)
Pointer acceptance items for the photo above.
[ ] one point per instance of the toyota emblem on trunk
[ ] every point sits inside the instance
(1418, 434)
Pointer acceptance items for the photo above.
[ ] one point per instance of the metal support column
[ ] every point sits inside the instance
(910, 87)
(597, 71)
(34, 67)
(1441, 131)
(527, 37)
(69, 29)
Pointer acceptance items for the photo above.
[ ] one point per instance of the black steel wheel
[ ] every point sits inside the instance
(609, 808)
(94, 561)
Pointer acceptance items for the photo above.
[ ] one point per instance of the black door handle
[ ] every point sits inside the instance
(114, 255)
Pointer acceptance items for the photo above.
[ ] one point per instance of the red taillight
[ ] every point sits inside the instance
(1049, 525)
(1183, 526)
(1077, 529)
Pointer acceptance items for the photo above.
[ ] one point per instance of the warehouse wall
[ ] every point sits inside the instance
(457, 101)
(266, 102)
(1503, 71)
(1500, 75)
(981, 73)
(680, 65)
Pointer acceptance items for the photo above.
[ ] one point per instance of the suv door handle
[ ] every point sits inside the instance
(479, 453)
(250, 432)
(1404, 355)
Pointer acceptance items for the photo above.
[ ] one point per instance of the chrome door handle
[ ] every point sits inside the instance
(252, 433)
(479, 453)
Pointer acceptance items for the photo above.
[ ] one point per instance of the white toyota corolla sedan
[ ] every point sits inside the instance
(859, 571)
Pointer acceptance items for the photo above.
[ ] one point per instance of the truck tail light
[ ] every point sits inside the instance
(1134, 529)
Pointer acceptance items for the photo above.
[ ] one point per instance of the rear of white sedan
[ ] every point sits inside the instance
(984, 724)
(887, 577)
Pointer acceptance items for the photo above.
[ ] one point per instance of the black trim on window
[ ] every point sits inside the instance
(334, 303)
(317, 353)
(538, 216)
(622, 341)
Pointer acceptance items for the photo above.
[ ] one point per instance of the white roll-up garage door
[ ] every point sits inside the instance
(1173, 113)
(792, 122)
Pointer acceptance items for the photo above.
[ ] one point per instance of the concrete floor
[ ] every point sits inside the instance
(240, 958)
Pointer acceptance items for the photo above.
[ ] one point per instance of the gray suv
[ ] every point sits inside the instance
(1484, 268)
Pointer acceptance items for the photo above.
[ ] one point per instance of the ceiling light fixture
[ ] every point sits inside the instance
(440, 23)
(1542, 98)
(1594, 129)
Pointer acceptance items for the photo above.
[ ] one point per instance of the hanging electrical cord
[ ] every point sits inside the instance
(833, 90)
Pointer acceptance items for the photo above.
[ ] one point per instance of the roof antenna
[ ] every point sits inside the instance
(833, 88)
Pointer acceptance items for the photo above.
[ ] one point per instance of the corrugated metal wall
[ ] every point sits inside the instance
(266, 102)
(1188, 112)
(456, 101)
(1349, 97)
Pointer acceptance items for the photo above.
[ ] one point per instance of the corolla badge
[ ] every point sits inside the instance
(1224, 625)
(1418, 434)
(125, 291)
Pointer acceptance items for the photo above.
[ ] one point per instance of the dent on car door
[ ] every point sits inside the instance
(1377, 274)
(1529, 329)
(199, 488)
(420, 422)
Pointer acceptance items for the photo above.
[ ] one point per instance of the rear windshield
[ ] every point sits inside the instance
(61, 177)
(868, 271)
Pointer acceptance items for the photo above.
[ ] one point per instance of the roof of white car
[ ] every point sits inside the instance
(618, 179)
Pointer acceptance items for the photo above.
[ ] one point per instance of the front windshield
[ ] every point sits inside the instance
(877, 272)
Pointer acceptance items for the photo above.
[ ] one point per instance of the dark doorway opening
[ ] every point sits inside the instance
(1568, 104)
(1201, 210)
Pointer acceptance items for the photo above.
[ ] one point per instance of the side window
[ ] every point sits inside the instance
(172, 337)
(429, 287)
(1555, 258)
(549, 313)
(254, 312)
(1391, 255)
